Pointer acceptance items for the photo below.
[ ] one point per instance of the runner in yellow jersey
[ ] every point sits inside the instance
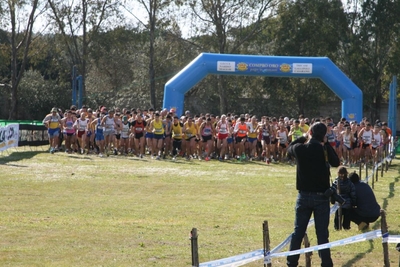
(252, 136)
(176, 137)
(296, 131)
(157, 127)
(190, 133)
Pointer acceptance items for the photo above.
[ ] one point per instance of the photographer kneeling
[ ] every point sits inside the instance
(367, 210)
(347, 199)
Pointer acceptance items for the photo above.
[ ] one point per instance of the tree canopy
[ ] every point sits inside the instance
(126, 54)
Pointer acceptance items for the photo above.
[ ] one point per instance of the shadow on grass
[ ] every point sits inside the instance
(360, 255)
(254, 162)
(185, 161)
(79, 157)
(6, 156)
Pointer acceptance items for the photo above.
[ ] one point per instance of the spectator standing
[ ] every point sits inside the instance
(314, 159)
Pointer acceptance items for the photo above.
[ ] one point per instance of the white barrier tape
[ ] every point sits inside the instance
(385, 237)
(279, 247)
(243, 259)
(235, 261)
(350, 240)
(394, 239)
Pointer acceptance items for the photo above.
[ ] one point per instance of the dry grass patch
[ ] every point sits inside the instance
(73, 210)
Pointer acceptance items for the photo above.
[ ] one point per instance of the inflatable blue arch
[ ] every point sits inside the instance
(276, 66)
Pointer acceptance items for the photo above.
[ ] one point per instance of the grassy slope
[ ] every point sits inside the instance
(72, 210)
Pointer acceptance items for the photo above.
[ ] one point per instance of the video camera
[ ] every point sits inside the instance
(331, 192)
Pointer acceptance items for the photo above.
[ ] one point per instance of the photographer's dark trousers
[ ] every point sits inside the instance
(308, 203)
(345, 219)
(357, 219)
(176, 145)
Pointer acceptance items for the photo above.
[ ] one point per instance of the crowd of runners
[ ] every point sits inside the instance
(162, 134)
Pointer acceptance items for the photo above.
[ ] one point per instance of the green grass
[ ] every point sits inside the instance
(73, 210)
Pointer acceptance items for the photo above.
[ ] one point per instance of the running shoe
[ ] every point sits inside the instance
(207, 158)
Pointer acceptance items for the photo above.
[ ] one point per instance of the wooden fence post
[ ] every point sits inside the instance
(374, 173)
(194, 247)
(339, 210)
(266, 241)
(308, 254)
(384, 230)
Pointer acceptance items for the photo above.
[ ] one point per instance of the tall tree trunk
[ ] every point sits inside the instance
(14, 86)
(84, 50)
(152, 21)
(17, 70)
(222, 95)
(377, 101)
(152, 73)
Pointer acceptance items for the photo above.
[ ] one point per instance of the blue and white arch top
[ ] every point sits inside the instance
(277, 66)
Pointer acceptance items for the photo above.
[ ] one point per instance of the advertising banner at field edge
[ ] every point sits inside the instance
(9, 135)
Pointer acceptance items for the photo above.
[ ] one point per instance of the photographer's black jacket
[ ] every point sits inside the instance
(313, 174)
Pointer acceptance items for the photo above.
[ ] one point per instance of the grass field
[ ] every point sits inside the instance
(76, 210)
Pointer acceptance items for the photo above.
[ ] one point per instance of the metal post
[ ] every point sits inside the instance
(384, 230)
(194, 247)
(392, 116)
(74, 85)
(390, 108)
(266, 241)
(79, 80)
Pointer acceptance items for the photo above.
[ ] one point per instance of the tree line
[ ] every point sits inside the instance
(127, 50)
